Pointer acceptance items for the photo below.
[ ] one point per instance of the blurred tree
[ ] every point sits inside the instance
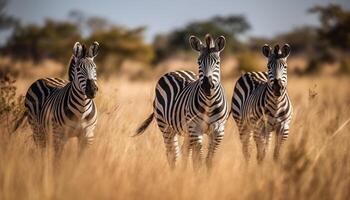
(333, 38)
(228, 26)
(232, 24)
(327, 43)
(52, 40)
(96, 24)
(88, 24)
(78, 18)
(55, 40)
(335, 25)
(301, 39)
(249, 61)
(6, 21)
(119, 44)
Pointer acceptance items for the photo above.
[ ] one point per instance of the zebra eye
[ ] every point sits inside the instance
(78, 69)
(218, 62)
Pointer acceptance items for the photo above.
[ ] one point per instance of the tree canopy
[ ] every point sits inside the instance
(229, 26)
(6, 21)
(55, 39)
(335, 25)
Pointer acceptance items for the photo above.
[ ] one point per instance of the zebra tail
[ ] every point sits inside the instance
(20, 121)
(144, 125)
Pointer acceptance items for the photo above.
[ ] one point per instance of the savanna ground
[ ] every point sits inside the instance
(315, 163)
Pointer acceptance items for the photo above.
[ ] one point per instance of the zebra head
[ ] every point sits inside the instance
(208, 61)
(84, 70)
(277, 67)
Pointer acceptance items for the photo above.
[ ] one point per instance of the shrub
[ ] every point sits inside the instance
(249, 61)
(11, 107)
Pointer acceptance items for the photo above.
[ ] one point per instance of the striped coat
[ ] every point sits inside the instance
(192, 106)
(65, 108)
(261, 105)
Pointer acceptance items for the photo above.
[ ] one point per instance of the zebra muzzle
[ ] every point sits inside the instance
(91, 89)
(277, 87)
(207, 85)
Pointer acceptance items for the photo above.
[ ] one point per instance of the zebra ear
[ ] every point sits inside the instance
(285, 51)
(220, 43)
(266, 50)
(196, 43)
(93, 50)
(78, 50)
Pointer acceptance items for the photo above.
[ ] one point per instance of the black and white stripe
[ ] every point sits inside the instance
(65, 109)
(261, 105)
(191, 107)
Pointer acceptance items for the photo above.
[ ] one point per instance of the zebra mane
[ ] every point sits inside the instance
(277, 54)
(281, 52)
(209, 42)
(84, 51)
(209, 46)
(70, 68)
(72, 62)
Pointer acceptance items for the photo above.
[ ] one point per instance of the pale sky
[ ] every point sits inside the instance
(267, 17)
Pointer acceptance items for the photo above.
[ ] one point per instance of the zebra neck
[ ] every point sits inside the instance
(273, 102)
(209, 99)
(78, 97)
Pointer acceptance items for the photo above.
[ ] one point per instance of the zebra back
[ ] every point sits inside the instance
(39, 92)
(245, 85)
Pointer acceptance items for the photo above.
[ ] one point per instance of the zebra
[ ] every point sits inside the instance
(261, 105)
(65, 108)
(191, 106)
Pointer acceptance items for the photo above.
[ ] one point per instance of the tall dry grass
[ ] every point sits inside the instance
(315, 163)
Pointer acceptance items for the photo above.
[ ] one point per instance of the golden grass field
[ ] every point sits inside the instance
(315, 162)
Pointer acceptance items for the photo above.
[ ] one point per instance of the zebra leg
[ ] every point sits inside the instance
(196, 140)
(58, 142)
(282, 135)
(85, 140)
(185, 150)
(215, 139)
(262, 139)
(245, 137)
(172, 147)
(39, 136)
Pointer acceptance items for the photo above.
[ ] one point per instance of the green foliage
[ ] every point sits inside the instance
(301, 40)
(119, 44)
(248, 61)
(335, 25)
(327, 44)
(96, 24)
(332, 38)
(52, 40)
(55, 40)
(230, 27)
